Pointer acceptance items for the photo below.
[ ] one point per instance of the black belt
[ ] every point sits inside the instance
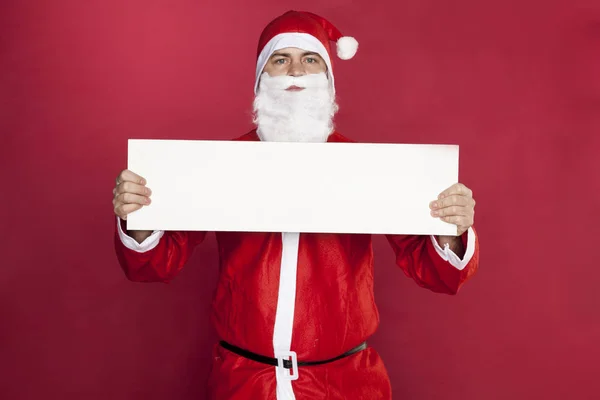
(286, 363)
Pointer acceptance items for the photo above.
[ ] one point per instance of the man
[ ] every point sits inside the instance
(287, 299)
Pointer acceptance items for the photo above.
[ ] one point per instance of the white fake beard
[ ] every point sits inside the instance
(294, 116)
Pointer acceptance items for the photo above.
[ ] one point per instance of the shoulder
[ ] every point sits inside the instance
(337, 137)
(251, 136)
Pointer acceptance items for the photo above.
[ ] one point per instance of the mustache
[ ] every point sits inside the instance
(310, 81)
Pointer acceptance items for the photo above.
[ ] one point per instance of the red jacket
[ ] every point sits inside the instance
(334, 304)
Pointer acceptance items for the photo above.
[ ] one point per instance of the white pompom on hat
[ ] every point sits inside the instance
(346, 47)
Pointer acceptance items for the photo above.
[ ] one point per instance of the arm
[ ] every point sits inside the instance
(159, 258)
(432, 267)
(140, 236)
(454, 243)
(147, 256)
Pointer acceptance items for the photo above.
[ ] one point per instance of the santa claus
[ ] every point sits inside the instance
(294, 310)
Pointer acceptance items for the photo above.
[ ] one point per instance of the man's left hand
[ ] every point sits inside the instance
(455, 205)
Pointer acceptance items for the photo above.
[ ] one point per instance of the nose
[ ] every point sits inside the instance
(296, 69)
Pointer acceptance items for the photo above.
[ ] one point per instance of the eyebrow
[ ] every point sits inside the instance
(306, 53)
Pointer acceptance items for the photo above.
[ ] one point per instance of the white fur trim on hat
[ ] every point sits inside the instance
(346, 47)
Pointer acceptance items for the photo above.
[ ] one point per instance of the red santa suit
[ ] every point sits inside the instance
(311, 294)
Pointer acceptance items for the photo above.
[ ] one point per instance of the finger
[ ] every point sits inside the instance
(451, 211)
(456, 189)
(130, 187)
(124, 209)
(130, 176)
(130, 198)
(458, 220)
(452, 200)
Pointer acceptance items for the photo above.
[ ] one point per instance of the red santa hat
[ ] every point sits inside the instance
(306, 31)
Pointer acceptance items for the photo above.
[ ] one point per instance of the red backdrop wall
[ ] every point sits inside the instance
(515, 83)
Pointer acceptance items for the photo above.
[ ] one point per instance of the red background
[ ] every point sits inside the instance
(515, 83)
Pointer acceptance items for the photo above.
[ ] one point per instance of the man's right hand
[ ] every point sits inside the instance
(131, 194)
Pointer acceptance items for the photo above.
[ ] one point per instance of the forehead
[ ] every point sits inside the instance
(294, 51)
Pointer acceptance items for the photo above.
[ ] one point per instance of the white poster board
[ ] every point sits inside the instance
(292, 187)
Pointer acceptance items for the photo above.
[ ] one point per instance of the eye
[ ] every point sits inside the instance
(280, 61)
(311, 60)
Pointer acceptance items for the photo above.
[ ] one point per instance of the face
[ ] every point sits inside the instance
(294, 62)
(294, 101)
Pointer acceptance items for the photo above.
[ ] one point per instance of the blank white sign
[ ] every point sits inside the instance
(292, 187)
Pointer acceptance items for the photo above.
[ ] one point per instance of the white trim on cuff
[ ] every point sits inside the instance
(448, 255)
(148, 244)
